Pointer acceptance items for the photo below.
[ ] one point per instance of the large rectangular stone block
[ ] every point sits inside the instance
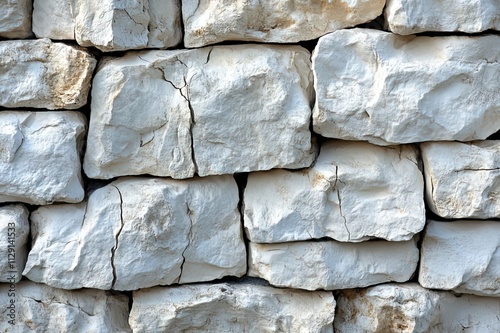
(209, 111)
(14, 231)
(110, 25)
(387, 89)
(15, 18)
(42, 74)
(355, 191)
(137, 233)
(40, 156)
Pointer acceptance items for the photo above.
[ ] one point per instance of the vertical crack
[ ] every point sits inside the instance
(340, 202)
(192, 121)
(190, 232)
(113, 249)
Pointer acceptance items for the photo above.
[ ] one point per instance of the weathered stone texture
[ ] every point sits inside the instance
(406, 17)
(241, 108)
(332, 265)
(231, 307)
(110, 25)
(40, 156)
(463, 179)
(40, 308)
(14, 231)
(42, 74)
(409, 308)
(463, 256)
(277, 21)
(137, 233)
(354, 191)
(388, 89)
(15, 18)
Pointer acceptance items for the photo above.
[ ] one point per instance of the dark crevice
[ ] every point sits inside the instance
(241, 180)
(113, 249)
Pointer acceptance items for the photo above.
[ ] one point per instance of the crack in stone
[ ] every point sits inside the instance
(52, 301)
(190, 232)
(479, 169)
(113, 249)
(340, 202)
(208, 55)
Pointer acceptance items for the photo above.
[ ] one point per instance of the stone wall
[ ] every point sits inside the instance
(247, 166)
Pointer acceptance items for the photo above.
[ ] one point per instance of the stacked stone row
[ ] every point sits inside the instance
(250, 187)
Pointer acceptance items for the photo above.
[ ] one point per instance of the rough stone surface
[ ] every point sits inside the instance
(390, 89)
(14, 231)
(137, 233)
(354, 191)
(42, 74)
(409, 308)
(406, 17)
(235, 307)
(40, 156)
(463, 179)
(40, 308)
(277, 21)
(333, 265)
(463, 256)
(255, 91)
(110, 25)
(15, 18)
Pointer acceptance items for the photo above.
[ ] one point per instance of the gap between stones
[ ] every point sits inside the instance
(113, 249)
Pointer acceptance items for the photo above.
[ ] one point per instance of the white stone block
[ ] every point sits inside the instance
(14, 231)
(15, 18)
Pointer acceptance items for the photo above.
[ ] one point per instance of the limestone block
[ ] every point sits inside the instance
(261, 95)
(409, 308)
(40, 156)
(15, 18)
(463, 256)
(110, 25)
(40, 308)
(139, 232)
(231, 307)
(406, 17)
(354, 191)
(14, 231)
(42, 74)
(332, 265)
(390, 89)
(277, 21)
(463, 179)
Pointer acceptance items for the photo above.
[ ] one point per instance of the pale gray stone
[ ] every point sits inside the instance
(42, 74)
(333, 265)
(40, 156)
(261, 95)
(406, 17)
(14, 231)
(463, 179)
(354, 191)
(139, 232)
(463, 256)
(277, 21)
(231, 307)
(409, 308)
(15, 18)
(110, 25)
(391, 89)
(40, 308)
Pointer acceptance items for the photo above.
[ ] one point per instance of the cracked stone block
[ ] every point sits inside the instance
(409, 308)
(332, 265)
(110, 25)
(348, 182)
(406, 17)
(42, 74)
(40, 156)
(40, 308)
(277, 21)
(15, 18)
(248, 306)
(463, 256)
(463, 179)
(260, 93)
(14, 231)
(391, 89)
(138, 233)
